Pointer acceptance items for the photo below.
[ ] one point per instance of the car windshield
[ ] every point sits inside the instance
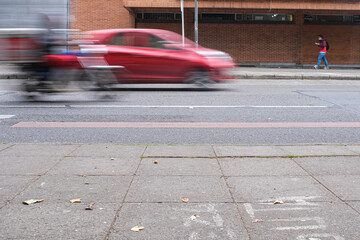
(175, 39)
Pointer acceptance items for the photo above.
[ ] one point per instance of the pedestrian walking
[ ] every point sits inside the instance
(324, 47)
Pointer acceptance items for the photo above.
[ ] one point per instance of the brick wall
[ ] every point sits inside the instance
(344, 43)
(99, 14)
(273, 43)
(248, 4)
(247, 43)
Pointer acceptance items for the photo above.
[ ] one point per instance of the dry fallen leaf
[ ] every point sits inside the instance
(185, 199)
(156, 162)
(278, 202)
(77, 200)
(137, 229)
(257, 220)
(32, 201)
(82, 175)
(193, 217)
(90, 206)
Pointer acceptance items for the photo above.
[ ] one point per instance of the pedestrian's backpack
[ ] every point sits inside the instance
(327, 46)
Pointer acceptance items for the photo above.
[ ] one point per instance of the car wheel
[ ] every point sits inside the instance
(200, 78)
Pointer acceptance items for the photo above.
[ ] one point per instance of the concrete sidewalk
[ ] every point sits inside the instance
(12, 72)
(296, 73)
(234, 191)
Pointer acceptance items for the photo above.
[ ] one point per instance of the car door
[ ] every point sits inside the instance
(146, 58)
(165, 63)
(118, 54)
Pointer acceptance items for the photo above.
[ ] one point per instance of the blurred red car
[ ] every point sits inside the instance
(159, 56)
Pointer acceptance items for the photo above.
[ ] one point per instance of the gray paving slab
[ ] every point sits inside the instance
(260, 167)
(301, 220)
(40, 149)
(4, 146)
(172, 221)
(31, 165)
(56, 221)
(96, 166)
(173, 188)
(331, 166)
(353, 148)
(106, 189)
(252, 189)
(109, 150)
(317, 150)
(10, 186)
(355, 204)
(179, 151)
(346, 187)
(179, 166)
(247, 151)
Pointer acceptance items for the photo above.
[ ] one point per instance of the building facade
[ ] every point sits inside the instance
(252, 31)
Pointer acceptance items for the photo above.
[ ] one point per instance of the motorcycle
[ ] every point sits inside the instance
(83, 70)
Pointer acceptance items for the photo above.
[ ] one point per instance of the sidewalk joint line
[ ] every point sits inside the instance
(123, 200)
(7, 147)
(234, 156)
(231, 194)
(37, 177)
(328, 189)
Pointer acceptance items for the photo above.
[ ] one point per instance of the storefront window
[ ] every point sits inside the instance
(158, 17)
(331, 19)
(246, 18)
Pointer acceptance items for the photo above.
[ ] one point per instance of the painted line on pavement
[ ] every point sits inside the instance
(6, 116)
(189, 106)
(33, 106)
(156, 106)
(187, 125)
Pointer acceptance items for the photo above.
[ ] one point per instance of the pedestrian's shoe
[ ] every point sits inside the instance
(326, 68)
(316, 66)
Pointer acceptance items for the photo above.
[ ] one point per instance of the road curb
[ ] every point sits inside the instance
(238, 76)
(297, 77)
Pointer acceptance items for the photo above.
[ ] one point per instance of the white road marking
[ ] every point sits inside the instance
(281, 209)
(298, 203)
(216, 223)
(6, 116)
(218, 220)
(190, 106)
(250, 210)
(193, 236)
(320, 224)
(158, 106)
(319, 236)
(33, 106)
(295, 201)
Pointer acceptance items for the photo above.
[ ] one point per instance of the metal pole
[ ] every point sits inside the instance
(67, 22)
(196, 23)
(182, 23)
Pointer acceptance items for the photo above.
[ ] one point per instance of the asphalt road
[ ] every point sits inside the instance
(240, 112)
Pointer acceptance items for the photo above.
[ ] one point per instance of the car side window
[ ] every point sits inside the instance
(156, 42)
(118, 40)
